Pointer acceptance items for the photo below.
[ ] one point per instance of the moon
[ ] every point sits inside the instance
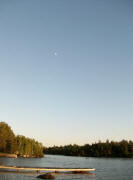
(55, 53)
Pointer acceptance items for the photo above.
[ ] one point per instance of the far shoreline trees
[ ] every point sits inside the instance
(122, 149)
(19, 145)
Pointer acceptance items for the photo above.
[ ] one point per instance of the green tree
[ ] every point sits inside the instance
(7, 138)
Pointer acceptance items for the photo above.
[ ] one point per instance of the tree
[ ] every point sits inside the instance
(20, 145)
(7, 138)
(100, 149)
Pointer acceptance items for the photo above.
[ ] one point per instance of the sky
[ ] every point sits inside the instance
(66, 69)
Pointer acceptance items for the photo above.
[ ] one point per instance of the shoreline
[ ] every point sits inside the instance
(8, 155)
(16, 156)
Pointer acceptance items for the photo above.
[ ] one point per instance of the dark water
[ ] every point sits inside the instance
(106, 168)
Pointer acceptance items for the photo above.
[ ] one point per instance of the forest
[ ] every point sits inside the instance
(19, 145)
(101, 149)
(27, 147)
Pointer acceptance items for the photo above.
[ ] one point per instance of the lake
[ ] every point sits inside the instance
(106, 168)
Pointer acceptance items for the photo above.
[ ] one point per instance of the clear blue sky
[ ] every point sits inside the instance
(66, 69)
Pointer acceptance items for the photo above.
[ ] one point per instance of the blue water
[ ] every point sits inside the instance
(106, 168)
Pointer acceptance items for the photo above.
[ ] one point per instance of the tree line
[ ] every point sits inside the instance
(101, 149)
(19, 145)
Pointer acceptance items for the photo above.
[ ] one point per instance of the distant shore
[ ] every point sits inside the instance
(123, 149)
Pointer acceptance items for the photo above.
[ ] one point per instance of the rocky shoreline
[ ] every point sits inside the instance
(8, 155)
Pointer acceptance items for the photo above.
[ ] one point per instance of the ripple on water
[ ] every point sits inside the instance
(106, 168)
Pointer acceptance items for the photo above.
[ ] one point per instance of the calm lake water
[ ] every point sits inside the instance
(106, 168)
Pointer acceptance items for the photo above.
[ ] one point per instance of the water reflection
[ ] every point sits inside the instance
(106, 168)
(23, 176)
